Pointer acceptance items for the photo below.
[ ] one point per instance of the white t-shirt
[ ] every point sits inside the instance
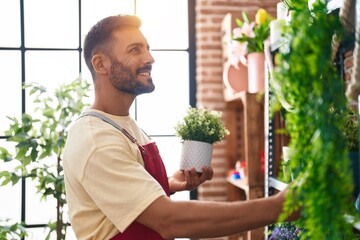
(107, 186)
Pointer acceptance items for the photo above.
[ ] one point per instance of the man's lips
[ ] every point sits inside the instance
(145, 71)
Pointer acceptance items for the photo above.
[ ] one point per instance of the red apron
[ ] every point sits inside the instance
(155, 167)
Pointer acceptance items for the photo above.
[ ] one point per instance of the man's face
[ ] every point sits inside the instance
(131, 63)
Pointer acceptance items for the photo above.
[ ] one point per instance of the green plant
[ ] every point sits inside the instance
(40, 141)
(351, 131)
(251, 35)
(314, 90)
(288, 4)
(11, 230)
(201, 125)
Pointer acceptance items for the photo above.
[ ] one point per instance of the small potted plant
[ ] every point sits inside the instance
(199, 130)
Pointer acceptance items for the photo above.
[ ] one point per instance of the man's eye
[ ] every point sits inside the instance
(135, 50)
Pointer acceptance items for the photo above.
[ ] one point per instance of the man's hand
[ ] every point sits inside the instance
(189, 179)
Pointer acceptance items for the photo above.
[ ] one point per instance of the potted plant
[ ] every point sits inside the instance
(248, 47)
(199, 130)
(39, 140)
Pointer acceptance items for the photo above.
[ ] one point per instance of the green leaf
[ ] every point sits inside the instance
(245, 17)
(48, 112)
(14, 178)
(5, 155)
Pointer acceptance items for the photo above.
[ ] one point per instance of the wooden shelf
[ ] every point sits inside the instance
(245, 120)
(240, 183)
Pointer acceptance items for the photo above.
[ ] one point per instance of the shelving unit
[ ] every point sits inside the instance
(245, 120)
(274, 141)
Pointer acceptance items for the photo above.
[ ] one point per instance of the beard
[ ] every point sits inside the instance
(125, 80)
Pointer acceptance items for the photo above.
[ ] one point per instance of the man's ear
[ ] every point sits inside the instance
(100, 63)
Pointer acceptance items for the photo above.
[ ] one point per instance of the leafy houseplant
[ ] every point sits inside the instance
(40, 140)
(201, 125)
(199, 130)
(314, 89)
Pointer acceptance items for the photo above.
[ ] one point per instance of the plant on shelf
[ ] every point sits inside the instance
(199, 130)
(247, 48)
(39, 140)
(249, 36)
(314, 89)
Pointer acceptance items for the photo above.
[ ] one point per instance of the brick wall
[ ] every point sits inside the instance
(209, 15)
(348, 64)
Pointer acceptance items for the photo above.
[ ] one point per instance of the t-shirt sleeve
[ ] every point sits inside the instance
(118, 183)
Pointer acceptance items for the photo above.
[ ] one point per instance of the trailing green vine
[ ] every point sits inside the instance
(312, 86)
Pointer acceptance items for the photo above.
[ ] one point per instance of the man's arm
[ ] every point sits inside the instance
(200, 219)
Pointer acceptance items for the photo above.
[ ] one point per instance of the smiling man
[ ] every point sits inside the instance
(116, 183)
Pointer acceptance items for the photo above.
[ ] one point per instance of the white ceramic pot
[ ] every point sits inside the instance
(195, 154)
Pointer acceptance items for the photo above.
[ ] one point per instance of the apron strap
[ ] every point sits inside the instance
(114, 124)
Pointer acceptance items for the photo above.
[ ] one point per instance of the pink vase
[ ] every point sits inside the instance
(235, 78)
(256, 69)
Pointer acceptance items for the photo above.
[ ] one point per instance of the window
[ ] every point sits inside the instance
(42, 43)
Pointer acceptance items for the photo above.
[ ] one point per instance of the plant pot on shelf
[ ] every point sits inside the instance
(195, 154)
(256, 69)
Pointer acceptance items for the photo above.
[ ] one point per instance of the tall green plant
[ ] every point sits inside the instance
(312, 86)
(40, 140)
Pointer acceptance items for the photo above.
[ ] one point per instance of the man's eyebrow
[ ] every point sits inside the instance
(138, 44)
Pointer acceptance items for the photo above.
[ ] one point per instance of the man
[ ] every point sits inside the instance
(116, 183)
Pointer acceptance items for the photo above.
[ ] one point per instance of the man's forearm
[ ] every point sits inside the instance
(210, 219)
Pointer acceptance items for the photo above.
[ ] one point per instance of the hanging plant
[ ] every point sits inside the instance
(311, 85)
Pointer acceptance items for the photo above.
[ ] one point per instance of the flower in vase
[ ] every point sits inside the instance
(249, 36)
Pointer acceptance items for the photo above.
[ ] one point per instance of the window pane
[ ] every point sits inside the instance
(10, 23)
(55, 26)
(159, 111)
(50, 69)
(10, 200)
(34, 204)
(95, 10)
(166, 26)
(10, 90)
(40, 233)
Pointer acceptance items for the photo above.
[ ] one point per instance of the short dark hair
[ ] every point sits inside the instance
(100, 34)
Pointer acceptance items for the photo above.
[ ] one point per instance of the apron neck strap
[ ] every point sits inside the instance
(114, 124)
